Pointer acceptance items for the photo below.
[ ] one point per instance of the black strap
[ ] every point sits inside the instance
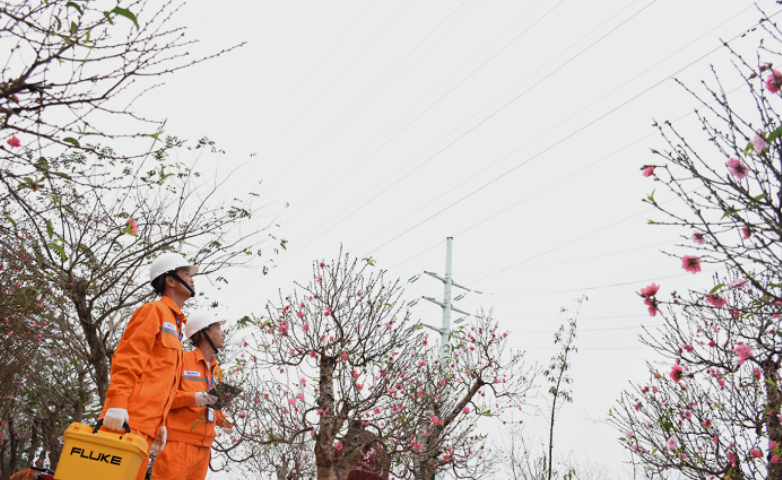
(100, 424)
(192, 292)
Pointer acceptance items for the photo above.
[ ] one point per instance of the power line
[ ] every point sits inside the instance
(550, 147)
(327, 180)
(335, 123)
(342, 72)
(427, 109)
(591, 329)
(597, 287)
(554, 127)
(582, 259)
(364, 204)
(320, 62)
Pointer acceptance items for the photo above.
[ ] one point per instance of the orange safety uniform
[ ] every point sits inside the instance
(190, 434)
(26, 474)
(146, 368)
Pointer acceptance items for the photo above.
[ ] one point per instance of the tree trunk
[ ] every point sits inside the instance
(324, 441)
(326, 473)
(33, 441)
(13, 462)
(97, 356)
(773, 401)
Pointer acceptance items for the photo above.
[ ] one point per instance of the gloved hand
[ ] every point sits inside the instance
(203, 399)
(115, 418)
(228, 426)
(160, 441)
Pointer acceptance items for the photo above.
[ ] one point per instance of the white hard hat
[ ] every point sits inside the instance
(199, 321)
(169, 262)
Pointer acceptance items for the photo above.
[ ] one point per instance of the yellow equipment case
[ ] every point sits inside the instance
(89, 454)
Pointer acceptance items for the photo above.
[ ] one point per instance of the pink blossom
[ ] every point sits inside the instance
(743, 351)
(772, 445)
(653, 305)
(650, 291)
(359, 386)
(672, 443)
(699, 237)
(629, 435)
(738, 168)
(677, 372)
(774, 81)
(687, 414)
(131, 227)
(759, 142)
(775, 458)
(755, 453)
(707, 423)
(305, 327)
(300, 396)
(691, 263)
(466, 410)
(376, 411)
(300, 314)
(14, 142)
(291, 401)
(638, 406)
(344, 356)
(739, 283)
(745, 233)
(716, 300)
(338, 447)
(648, 170)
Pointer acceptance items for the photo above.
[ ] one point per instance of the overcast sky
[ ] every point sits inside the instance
(517, 127)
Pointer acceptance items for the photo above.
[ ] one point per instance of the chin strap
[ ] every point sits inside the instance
(214, 350)
(203, 334)
(192, 292)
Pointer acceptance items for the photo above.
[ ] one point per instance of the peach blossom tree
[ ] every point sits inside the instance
(712, 408)
(338, 368)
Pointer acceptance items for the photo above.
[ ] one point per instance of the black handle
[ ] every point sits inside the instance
(100, 424)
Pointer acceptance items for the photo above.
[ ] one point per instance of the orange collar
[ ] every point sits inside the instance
(173, 306)
(200, 358)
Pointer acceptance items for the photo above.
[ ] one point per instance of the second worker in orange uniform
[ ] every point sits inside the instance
(190, 424)
(147, 365)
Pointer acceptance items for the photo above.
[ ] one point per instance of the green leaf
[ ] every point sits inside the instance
(59, 23)
(127, 14)
(8, 217)
(650, 197)
(761, 196)
(60, 250)
(717, 287)
(72, 141)
(49, 229)
(774, 135)
(156, 136)
(74, 27)
(78, 8)
(729, 212)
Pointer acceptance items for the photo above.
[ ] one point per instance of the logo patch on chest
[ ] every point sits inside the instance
(192, 373)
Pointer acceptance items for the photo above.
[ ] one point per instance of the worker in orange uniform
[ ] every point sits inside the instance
(147, 365)
(190, 424)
